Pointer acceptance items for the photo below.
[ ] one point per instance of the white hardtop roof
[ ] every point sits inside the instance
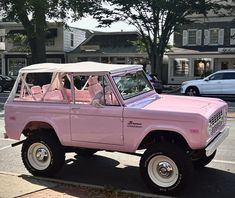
(85, 68)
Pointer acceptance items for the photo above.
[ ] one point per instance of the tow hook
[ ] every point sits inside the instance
(18, 143)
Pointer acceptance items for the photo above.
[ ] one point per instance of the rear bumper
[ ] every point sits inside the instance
(217, 141)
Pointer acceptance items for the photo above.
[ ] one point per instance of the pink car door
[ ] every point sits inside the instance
(97, 125)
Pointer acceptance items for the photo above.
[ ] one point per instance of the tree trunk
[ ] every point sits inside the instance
(156, 65)
(159, 66)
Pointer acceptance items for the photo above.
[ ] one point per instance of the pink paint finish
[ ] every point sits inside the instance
(78, 123)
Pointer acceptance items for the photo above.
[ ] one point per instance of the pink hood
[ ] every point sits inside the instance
(185, 104)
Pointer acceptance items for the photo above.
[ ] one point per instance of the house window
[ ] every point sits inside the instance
(232, 36)
(71, 40)
(181, 67)
(50, 42)
(192, 35)
(214, 36)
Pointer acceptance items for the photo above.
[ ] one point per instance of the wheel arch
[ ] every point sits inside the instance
(158, 136)
(33, 126)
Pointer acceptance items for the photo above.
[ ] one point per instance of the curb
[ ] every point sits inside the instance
(59, 181)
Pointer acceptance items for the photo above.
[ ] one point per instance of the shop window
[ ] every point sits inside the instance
(202, 68)
(14, 65)
(181, 67)
(224, 65)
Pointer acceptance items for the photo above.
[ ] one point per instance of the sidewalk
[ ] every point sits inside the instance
(25, 186)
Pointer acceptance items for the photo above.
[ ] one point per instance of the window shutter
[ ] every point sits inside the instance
(185, 37)
(199, 37)
(206, 37)
(221, 37)
(232, 36)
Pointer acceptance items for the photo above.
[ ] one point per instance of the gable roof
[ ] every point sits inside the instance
(111, 42)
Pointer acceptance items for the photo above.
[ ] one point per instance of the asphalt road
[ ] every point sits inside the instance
(121, 171)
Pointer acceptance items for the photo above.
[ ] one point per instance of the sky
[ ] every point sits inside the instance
(91, 24)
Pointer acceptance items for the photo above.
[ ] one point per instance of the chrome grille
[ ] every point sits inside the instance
(216, 121)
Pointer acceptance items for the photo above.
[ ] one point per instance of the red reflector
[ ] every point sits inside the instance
(12, 118)
(194, 130)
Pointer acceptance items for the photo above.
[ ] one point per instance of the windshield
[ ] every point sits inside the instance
(132, 84)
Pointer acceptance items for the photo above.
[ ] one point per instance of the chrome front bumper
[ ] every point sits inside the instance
(217, 141)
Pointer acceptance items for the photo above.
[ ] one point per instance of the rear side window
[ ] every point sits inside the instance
(51, 90)
(229, 76)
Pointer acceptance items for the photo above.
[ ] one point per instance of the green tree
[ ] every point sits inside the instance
(155, 20)
(34, 14)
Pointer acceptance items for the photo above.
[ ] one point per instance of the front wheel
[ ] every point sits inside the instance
(42, 154)
(165, 168)
(192, 91)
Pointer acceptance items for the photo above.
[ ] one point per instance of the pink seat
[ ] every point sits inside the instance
(45, 88)
(55, 95)
(36, 90)
(94, 86)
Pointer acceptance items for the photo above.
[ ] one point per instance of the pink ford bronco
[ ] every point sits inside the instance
(86, 107)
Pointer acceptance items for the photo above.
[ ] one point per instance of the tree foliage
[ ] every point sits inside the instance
(155, 20)
(34, 14)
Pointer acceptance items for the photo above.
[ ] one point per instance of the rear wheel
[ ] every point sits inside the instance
(192, 91)
(165, 168)
(42, 154)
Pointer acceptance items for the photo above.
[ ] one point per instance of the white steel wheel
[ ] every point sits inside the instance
(163, 171)
(42, 154)
(165, 168)
(39, 156)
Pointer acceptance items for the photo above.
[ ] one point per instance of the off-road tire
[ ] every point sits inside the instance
(203, 161)
(42, 154)
(165, 168)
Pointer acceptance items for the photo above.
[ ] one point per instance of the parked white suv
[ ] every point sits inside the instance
(218, 83)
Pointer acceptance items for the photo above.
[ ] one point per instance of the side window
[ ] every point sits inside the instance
(93, 90)
(53, 90)
(216, 77)
(229, 76)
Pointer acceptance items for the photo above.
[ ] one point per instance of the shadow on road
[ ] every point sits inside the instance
(100, 170)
